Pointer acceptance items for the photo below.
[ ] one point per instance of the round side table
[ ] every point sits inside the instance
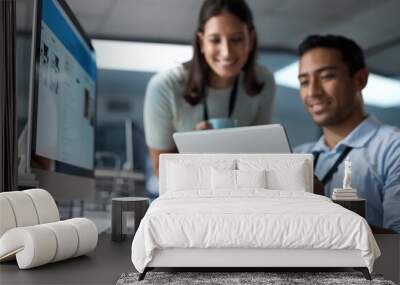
(120, 207)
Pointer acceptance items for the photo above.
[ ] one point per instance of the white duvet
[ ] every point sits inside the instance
(250, 219)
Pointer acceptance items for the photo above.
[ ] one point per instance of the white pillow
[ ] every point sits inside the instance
(182, 177)
(288, 174)
(184, 174)
(225, 179)
(251, 178)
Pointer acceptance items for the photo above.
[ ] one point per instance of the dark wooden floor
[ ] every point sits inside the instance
(110, 259)
(102, 266)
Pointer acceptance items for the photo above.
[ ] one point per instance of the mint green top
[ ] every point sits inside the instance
(166, 111)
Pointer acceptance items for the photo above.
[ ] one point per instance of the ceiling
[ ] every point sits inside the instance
(281, 24)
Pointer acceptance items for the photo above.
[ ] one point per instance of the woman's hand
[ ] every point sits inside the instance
(203, 125)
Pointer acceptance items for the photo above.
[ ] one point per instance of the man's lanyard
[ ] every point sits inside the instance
(232, 101)
(329, 174)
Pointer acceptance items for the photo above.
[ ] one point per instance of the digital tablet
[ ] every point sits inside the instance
(255, 139)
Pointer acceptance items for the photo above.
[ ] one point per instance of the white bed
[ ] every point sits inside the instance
(202, 220)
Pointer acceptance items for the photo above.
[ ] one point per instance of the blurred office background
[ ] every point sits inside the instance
(123, 25)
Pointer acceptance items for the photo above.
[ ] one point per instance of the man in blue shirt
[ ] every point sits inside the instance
(332, 75)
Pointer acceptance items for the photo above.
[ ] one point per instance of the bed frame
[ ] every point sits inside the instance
(242, 258)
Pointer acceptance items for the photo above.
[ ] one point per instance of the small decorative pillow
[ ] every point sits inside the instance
(251, 178)
(223, 179)
(236, 179)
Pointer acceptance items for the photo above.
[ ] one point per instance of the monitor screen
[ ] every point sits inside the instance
(64, 93)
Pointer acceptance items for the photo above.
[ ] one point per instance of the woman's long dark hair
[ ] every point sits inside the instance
(198, 69)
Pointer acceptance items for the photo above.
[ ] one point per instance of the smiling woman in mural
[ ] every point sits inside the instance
(222, 80)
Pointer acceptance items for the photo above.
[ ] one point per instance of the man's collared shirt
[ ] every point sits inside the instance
(375, 158)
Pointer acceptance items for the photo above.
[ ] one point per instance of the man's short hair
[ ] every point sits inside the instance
(352, 53)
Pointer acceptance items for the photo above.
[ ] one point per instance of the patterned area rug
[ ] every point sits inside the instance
(225, 278)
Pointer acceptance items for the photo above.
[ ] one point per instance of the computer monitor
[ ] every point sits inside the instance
(62, 103)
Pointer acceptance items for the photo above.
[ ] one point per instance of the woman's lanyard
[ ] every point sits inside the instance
(329, 174)
(232, 101)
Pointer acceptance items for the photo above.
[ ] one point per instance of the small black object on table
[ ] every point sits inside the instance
(122, 205)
